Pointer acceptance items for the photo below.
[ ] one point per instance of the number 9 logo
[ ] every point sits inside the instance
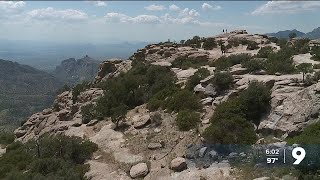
(299, 157)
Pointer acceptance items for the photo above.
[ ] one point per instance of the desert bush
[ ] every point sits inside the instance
(315, 52)
(183, 100)
(185, 63)
(88, 113)
(264, 52)
(160, 99)
(196, 78)
(209, 44)
(301, 46)
(253, 65)
(187, 119)
(273, 39)
(6, 137)
(252, 45)
(223, 63)
(255, 100)
(63, 89)
(132, 89)
(76, 90)
(234, 130)
(232, 121)
(51, 157)
(281, 62)
(282, 42)
(194, 42)
(222, 80)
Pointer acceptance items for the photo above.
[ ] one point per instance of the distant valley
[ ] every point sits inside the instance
(46, 56)
(23, 91)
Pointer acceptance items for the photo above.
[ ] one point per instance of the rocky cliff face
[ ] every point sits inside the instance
(123, 154)
(72, 71)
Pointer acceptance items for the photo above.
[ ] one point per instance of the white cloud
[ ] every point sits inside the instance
(98, 3)
(154, 7)
(55, 14)
(11, 7)
(206, 7)
(288, 7)
(143, 19)
(173, 7)
(189, 13)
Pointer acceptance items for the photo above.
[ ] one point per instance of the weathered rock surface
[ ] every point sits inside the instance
(153, 146)
(178, 164)
(139, 170)
(293, 108)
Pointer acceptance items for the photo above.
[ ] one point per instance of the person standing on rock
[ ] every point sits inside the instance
(223, 49)
(222, 30)
(226, 31)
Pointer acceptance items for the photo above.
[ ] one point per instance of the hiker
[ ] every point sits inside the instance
(223, 49)
(222, 30)
(226, 31)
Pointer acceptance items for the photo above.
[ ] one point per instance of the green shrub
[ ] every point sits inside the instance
(194, 42)
(222, 81)
(187, 119)
(63, 89)
(78, 89)
(256, 100)
(52, 157)
(253, 65)
(282, 42)
(223, 63)
(310, 135)
(273, 39)
(264, 52)
(301, 46)
(183, 100)
(160, 99)
(233, 130)
(315, 52)
(252, 45)
(209, 44)
(196, 78)
(281, 62)
(6, 137)
(235, 116)
(185, 63)
(132, 89)
(88, 113)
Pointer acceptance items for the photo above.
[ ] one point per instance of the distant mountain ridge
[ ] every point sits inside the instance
(23, 91)
(72, 71)
(314, 34)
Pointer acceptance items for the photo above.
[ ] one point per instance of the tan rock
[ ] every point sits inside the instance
(178, 164)
(139, 170)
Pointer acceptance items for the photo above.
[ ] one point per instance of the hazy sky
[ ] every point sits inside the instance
(116, 21)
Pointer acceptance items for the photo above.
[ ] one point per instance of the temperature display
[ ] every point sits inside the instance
(275, 155)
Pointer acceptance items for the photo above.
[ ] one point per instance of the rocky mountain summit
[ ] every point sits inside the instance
(72, 71)
(147, 142)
